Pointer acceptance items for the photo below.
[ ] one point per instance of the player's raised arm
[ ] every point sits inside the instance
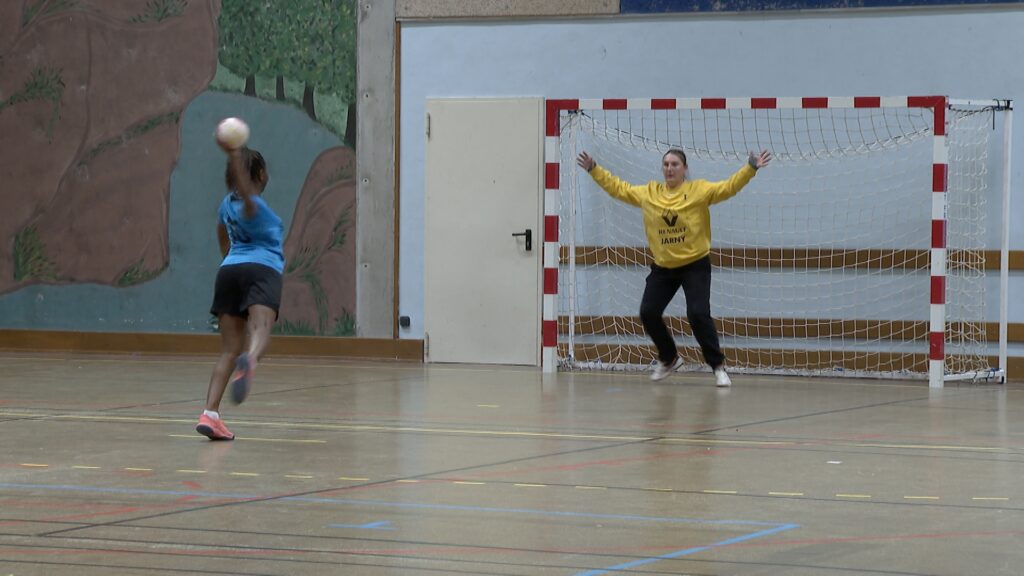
(242, 181)
(231, 135)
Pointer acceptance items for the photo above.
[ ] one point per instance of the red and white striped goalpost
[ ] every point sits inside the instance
(937, 104)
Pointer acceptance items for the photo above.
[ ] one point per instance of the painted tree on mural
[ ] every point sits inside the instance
(244, 28)
(307, 41)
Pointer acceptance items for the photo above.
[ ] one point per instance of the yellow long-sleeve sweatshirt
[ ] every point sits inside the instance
(677, 220)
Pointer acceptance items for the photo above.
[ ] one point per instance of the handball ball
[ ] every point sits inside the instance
(232, 133)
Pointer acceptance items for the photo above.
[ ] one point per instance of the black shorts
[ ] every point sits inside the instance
(239, 286)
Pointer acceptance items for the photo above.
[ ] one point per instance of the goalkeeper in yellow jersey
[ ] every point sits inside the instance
(678, 226)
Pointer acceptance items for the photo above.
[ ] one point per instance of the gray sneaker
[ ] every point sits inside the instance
(722, 378)
(662, 371)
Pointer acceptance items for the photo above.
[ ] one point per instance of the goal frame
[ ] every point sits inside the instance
(555, 109)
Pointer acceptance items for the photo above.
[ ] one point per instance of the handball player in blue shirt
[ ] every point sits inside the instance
(247, 292)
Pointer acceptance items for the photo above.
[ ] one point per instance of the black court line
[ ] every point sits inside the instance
(138, 568)
(654, 433)
(457, 560)
(411, 558)
(450, 471)
(811, 415)
(345, 488)
(404, 569)
(356, 553)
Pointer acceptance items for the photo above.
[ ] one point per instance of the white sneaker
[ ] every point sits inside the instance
(722, 378)
(661, 371)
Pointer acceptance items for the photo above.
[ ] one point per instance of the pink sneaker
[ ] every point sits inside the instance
(213, 429)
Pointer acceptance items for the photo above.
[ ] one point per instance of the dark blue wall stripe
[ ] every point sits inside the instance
(659, 6)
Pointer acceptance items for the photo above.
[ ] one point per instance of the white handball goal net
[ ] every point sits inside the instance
(824, 264)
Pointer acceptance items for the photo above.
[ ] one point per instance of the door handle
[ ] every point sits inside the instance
(529, 238)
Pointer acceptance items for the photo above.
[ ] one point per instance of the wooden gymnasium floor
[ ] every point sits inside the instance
(388, 468)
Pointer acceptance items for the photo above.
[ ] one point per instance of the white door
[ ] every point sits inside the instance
(482, 287)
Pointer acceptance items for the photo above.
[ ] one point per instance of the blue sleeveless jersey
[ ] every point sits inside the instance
(255, 240)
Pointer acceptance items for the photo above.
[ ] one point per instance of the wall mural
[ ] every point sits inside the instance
(110, 176)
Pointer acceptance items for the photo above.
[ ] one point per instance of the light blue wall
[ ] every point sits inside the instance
(652, 6)
(961, 53)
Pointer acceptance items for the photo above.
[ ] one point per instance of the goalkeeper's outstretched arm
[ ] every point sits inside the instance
(613, 185)
(725, 189)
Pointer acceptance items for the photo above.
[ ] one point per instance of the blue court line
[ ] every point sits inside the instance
(382, 525)
(688, 551)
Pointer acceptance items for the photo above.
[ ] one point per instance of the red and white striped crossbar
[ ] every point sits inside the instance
(554, 108)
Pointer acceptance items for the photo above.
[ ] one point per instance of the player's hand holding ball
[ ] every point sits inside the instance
(232, 134)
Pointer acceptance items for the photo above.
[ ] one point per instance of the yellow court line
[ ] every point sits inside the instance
(346, 427)
(521, 485)
(368, 428)
(728, 442)
(484, 432)
(250, 439)
(289, 440)
(857, 445)
(932, 447)
(120, 418)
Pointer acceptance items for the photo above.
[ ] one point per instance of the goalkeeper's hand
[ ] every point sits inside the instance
(586, 162)
(759, 160)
